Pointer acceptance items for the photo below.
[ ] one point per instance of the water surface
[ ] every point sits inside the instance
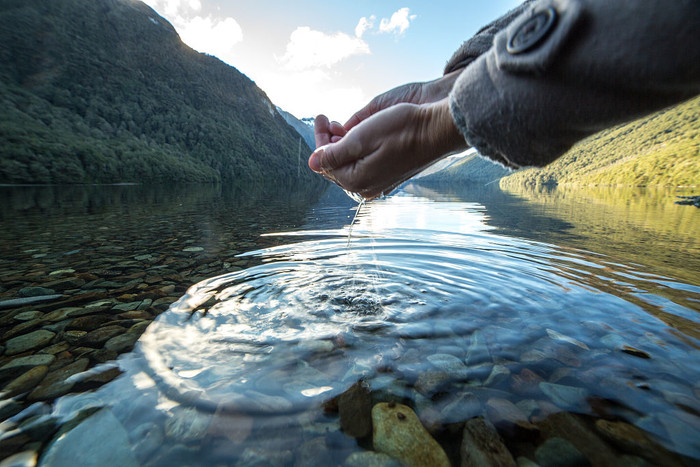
(458, 304)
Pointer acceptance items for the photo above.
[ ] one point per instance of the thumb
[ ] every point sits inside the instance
(329, 157)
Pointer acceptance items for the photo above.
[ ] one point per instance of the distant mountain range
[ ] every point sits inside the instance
(105, 91)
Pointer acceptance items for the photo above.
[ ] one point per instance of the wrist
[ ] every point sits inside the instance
(439, 132)
(438, 89)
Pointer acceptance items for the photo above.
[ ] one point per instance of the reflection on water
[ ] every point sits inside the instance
(458, 305)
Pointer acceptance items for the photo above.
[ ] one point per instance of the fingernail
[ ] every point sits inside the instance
(315, 161)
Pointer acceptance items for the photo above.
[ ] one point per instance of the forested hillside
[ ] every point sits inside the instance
(105, 91)
(659, 150)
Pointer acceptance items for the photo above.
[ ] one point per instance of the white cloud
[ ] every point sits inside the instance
(364, 24)
(399, 22)
(308, 49)
(171, 8)
(213, 36)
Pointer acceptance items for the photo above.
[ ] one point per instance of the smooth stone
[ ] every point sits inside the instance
(101, 335)
(556, 452)
(65, 284)
(314, 452)
(18, 302)
(55, 348)
(29, 341)
(430, 382)
(502, 411)
(482, 445)
(26, 381)
(572, 428)
(22, 364)
(461, 408)
(129, 306)
(88, 323)
(55, 384)
(398, 433)
(28, 315)
(499, 374)
(450, 365)
(193, 249)
(34, 292)
(564, 396)
(61, 271)
(9, 408)
(122, 343)
(21, 459)
(108, 444)
(369, 459)
(258, 457)
(73, 337)
(563, 338)
(143, 257)
(67, 312)
(355, 411)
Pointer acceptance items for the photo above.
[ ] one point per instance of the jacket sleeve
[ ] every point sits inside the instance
(562, 70)
(482, 40)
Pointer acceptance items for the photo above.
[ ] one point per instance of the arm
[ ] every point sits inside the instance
(603, 62)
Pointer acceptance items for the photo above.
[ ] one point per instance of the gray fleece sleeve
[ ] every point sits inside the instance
(565, 69)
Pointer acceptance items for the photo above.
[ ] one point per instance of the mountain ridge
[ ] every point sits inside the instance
(104, 91)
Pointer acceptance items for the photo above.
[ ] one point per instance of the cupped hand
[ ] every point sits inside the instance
(411, 93)
(387, 148)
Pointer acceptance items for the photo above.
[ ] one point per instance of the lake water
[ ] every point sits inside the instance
(566, 318)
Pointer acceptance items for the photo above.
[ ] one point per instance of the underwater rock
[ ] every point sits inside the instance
(109, 444)
(19, 365)
(564, 396)
(556, 452)
(55, 384)
(482, 446)
(499, 373)
(355, 410)
(430, 382)
(26, 381)
(634, 440)
(29, 341)
(370, 459)
(451, 365)
(573, 428)
(398, 433)
(21, 459)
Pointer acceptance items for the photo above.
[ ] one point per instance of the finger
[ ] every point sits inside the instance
(321, 131)
(335, 139)
(336, 129)
(359, 116)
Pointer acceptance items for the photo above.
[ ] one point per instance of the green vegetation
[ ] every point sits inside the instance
(470, 169)
(660, 150)
(103, 91)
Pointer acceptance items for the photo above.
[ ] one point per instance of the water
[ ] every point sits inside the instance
(514, 306)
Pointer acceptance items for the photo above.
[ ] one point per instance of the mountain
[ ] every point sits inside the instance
(662, 149)
(105, 91)
(467, 168)
(305, 127)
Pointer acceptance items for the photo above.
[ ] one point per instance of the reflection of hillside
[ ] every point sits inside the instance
(631, 224)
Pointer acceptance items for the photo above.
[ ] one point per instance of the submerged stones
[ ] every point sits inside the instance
(398, 432)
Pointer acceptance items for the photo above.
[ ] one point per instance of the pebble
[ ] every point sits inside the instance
(21, 459)
(55, 384)
(28, 315)
(369, 459)
(355, 411)
(28, 341)
(109, 444)
(482, 445)
(564, 396)
(556, 452)
(26, 381)
(450, 365)
(398, 433)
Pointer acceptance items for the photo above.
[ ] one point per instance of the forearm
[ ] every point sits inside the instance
(604, 62)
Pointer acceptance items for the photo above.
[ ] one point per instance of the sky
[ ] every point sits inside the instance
(330, 56)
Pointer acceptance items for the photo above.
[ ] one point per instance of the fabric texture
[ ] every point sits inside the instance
(604, 62)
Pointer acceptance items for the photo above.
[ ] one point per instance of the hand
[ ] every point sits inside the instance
(387, 148)
(412, 93)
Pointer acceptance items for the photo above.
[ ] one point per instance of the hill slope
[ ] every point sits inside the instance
(661, 149)
(105, 91)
